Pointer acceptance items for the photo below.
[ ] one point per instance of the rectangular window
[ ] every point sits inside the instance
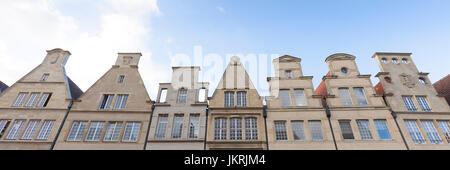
(45, 98)
(298, 130)
(288, 74)
(423, 104)
(182, 96)
(241, 99)
(235, 129)
(194, 122)
(177, 127)
(32, 100)
(445, 128)
(3, 126)
(45, 130)
(414, 131)
(202, 95)
(95, 131)
(251, 128)
(15, 129)
(364, 129)
(131, 131)
(121, 79)
(121, 101)
(346, 129)
(220, 129)
(345, 97)
(31, 129)
(280, 131)
(285, 98)
(44, 77)
(409, 104)
(113, 131)
(163, 96)
(229, 99)
(300, 98)
(431, 132)
(106, 101)
(161, 128)
(20, 99)
(77, 131)
(315, 128)
(382, 129)
(360, 96)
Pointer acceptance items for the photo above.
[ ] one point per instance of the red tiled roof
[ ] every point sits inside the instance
(443, 87)
(379, 88)
(322, 90)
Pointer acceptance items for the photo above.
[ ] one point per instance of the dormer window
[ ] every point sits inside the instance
(344, 70)
(288, 74)
(44, 77)
(121, 78)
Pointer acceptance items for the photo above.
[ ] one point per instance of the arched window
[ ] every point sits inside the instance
(344, 70)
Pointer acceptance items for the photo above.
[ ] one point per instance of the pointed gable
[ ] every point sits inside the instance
(235, 76)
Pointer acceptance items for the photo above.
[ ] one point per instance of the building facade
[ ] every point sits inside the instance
(359, 118)
(443, 88)
(235, 117)
(423, 116)
(3, 87)
(33, 108)
(296, 119)
(179, 117)
(113, 114)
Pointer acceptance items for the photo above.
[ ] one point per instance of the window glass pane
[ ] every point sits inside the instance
(106, 101)
(32, 100)
(31, 129)
(423, 104)
(288, 74)
(182, 96)
(15, 129)
(44, 100)
(236, 129)
(113, 131)
(285, 98)
(194, 122)
(177, 126)
(131, 131)
(414, 132)
(121, 78)
(95, 131)
(229, 99)
(251, 128)
(3, 126)
(220, 129)
(298, 130)
(45, 130)
(431, 132)
(241, 99)
(161, 128)
(443, 125)
(346, 129)
(364, 129)
(163, 96)
(360, 96)
(315, 127)
(121, 101)
(409, 104)
(20, 99)
(345, 97)
(382, 129)
(300, 99)
(44, 77)
(280, 131)
(77, 131)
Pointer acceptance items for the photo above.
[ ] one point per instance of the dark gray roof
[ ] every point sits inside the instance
(74, 89)
(3, 86)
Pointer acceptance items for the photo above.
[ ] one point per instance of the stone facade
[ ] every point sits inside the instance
(99, 122)
(423, 116)
(179, 117)
(33, 108)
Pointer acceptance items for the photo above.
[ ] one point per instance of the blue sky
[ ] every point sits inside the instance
(311, 30)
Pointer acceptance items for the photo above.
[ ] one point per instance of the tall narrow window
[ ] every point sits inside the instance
(364, 129)
(121, 79)
(382, 129)
(220, 129)
(360, 96)
(121, 101)
(315, 128)
(409, 104)
(31, 129)
(280, 131)
(288, 74)
(202, 95)
(95, 131)
(45, 77)
(20, 99)
(235, 129)
(45, 98)
(106, 101)
(15, 129)
(300, 99)
(431, 132)
(345, 97)
(423, 104)
(113, 131)
(32, 100)
(194, 122)
(251, 128)
(298, 130)
(77, 131)
(445, 128)
(131, 131)
(177, 126)
(45, 130)
(285, 98)
(229, 99)
(3, 126)
(414, 131)
(241, 99)
(163, 96)
(161, 128)
(346, 129)
(182, 96)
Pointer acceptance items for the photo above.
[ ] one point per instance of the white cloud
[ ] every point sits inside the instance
(29, 27)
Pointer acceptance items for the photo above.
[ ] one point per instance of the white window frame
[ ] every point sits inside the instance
(315, 128)
(236, 128)
(414, 132)
(182, 96)
(113, 130)
(360, 96)
(163, 96)
(43, 101)
(121, 102)
(32, 99)
(444, 125)
(228, 99)
(76, 133)
(345, 96)
(30, 130)
(251, 128)
(107, 99)
(298, 130)
(431, 131)
(16, 127)
(20, 99)
(241, 99)
(194, 123)
(161, 128)
(409, 103)
(364, 129)
(280, 130)
(131, 135)
(423, 103)
(285, 98)
(300, 98)
(46, 129)
(177, 127)
(95, 131)
(220, 128)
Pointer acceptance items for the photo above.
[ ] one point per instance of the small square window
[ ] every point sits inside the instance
(121, 78)
(288, 74)
(45, 77)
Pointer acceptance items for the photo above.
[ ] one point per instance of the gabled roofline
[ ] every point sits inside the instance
(391, 53)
